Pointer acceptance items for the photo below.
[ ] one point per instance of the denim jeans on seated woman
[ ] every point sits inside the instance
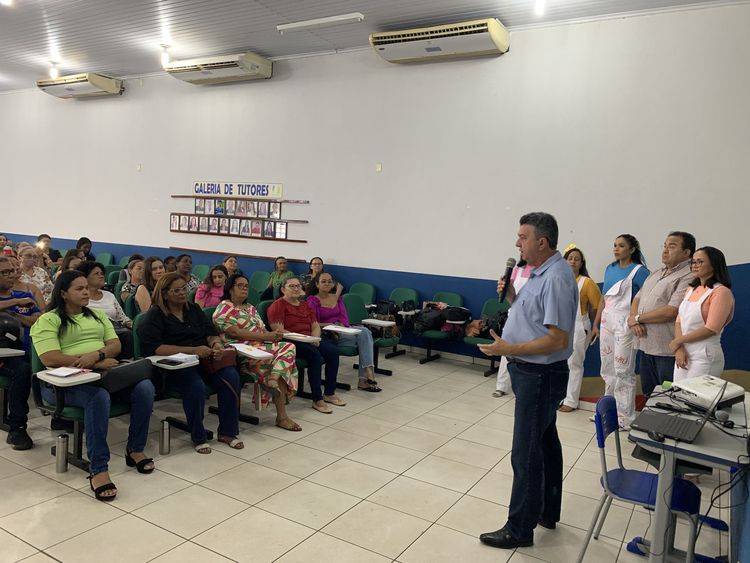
(363, 342)
(95, 402)
(191, 384)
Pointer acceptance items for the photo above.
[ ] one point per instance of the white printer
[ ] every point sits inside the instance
(700, 392)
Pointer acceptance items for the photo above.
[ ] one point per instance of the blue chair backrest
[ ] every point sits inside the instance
(605, 419)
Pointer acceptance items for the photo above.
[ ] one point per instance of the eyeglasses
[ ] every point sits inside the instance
(697, 262)
(178, 290)
(294, 286)
(241, 286)
(7, 272)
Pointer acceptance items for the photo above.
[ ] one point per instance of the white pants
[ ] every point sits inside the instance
(575, 365)
(617, 348)
(703, 360)
(503, 377)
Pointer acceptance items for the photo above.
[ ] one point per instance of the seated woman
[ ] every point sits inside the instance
(153, 270)
(329, 309)
(84, 245)
(125, 272)
(290, 314)
(279, 274)
(19, 285)
(170, 264)
(317, 268)
(44, 243)
(71, 334)
(230, 263)
(135, 278)
(173, 325)
(185, 269)
(70, 262)
(30, 272)
(238, 321)
(211, 291)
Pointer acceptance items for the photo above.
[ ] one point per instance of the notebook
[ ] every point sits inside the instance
(675, 426)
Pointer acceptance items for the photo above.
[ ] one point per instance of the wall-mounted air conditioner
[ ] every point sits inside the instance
(465, 39)
(218, 70)
(85, 85)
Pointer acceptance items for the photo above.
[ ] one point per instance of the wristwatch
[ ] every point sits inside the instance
(102, 355)
(638, 319)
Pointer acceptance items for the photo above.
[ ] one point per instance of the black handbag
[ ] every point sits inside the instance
(125, 375)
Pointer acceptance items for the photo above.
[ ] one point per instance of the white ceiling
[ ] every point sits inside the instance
(122, 37)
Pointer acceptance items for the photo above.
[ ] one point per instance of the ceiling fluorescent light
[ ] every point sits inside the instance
(53, 71)
(164, 55)
(320, 22)
(6, 2)
(539, 8)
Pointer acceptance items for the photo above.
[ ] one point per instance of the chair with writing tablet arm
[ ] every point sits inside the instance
(491, 307)
(357, 313)
(452, 300)
(365, 290)
(399, 296)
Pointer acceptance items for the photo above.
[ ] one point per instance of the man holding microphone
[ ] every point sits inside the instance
(538, 340)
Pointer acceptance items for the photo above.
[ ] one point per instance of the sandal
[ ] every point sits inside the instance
(203, 448)
(365, 385)
(288, 424)
(334, 400)
(140, 466)
(232, 442)
(99, 491)
(371, 382)
(325, 409)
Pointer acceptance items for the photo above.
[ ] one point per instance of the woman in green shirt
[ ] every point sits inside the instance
(279, 274)
(72, 335)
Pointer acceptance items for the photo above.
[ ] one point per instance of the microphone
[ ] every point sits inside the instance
(506, 277)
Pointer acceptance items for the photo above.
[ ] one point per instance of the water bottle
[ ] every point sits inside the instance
(61, 453)
(164, 441)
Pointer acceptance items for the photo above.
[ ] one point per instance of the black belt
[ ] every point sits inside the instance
(512, 360)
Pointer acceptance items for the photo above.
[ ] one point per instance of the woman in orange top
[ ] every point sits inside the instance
(704, 312)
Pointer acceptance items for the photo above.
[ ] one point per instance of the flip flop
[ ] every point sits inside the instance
(203, 448)
(325, 409)
(232, 442)
(334, 400)
(288, 424)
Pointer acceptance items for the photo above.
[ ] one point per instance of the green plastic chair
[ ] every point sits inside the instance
(118, 291)
(453, 300)
(365, 290)
(259, 281)
(398, 296)
(262, 309)
(112, 274)
(201, 271)
(124, 261)
(357, 312)
(191, 295)
(70, 413)
(490, 307)
(131, 309)
(104, 258)
(253, 297)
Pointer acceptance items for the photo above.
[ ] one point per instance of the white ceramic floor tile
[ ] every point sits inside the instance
(563, 544)
(37, 558)
(578, 511)
(123, 540)
(250, 482)
(387, 456)
(459, 411)
(439, 544)
(415, 497)
(189, 552)
(13, 549)
(445, 473)
(169, 513)
(497, 421)
(322, 547)
(135, 490)
(472, 453)
(194, 467)
(309, 504)
(415, 439)
(352, 477)
(494, 487)
(474, 516)
(254, 535)
(576, 438)
(27, 489)
(584, 483)
(488, 436)
(367, 426)
(256, 444)
(58, 519)
(333, 441)
(439, 424)
(8, 468)
(296, 460)
(308, 427)
(37, 456)
(397, 414)
(377, 528)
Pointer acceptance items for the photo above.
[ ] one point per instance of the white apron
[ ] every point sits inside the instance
(617, 348)
(580, 343)
(503, 375)
(705, 357)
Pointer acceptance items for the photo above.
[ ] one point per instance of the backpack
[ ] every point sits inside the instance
(494, 322)
(428, 319)
(460, 314)
(385, 307)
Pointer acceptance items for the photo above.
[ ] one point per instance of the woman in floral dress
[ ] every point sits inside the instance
(238, 321)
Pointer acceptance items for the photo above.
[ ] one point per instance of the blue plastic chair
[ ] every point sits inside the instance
(633, 486)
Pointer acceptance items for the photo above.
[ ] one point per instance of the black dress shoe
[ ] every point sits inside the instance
(19, 439)
(549, 524)
(503, 539)
(60, 424)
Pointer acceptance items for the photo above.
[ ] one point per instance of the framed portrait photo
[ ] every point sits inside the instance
(281, 227)
(245, 227)
(200, 206)
(234, 226)
(256, 228)
(213, 225)
(274, 210)
(231, 206)
(241, 209)
(184, 222)
(224, 226)
(263, 209)
(209, 209)
(203, 225)
(174, 222)
(193, 224)
(269, 229)
(219, 207)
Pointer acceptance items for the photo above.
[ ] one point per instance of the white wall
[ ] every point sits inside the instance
(635, 125)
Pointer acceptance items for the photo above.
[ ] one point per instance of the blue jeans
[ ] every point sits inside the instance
(190, 384)
(95, 402)
(363, 342)
(537, 453)
(655, 370)
(19, 371)
(314, 356)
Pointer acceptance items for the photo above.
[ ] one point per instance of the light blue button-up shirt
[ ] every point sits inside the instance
(549, 298)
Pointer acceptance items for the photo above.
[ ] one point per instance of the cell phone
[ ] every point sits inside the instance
(593, 340)
(166, 362)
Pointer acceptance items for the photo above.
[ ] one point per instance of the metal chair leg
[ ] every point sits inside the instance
(603, 518)
(590, 531)
(693, 523)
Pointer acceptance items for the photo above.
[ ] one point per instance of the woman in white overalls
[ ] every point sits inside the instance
(589, 297)
(520, 275)
(707, 308)
(623, 278)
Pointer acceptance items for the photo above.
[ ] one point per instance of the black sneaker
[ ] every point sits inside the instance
(20, 439)
(60, 424)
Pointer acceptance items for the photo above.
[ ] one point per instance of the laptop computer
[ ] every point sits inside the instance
(675, 426)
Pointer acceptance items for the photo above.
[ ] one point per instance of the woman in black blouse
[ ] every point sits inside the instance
(174, 325)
